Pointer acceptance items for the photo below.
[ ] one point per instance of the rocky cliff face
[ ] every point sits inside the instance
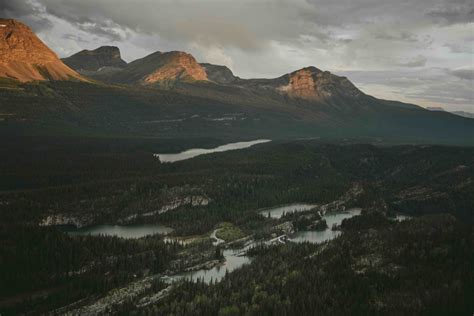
(313, 84)
(94, 60)
(24, 57)
(301, 84)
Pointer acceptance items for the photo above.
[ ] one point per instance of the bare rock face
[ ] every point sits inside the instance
(313, 84)
(24, 57)
(176, 66)
(162, 69)
(301, 84)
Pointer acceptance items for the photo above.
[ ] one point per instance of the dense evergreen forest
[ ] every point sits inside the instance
(107, 185)
(53, 268)
(377, 266)
(196, 110)
(417, 267)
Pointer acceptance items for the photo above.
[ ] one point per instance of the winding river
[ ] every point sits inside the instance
(234, 258)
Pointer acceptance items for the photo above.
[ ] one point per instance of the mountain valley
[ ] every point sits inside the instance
(171, 186)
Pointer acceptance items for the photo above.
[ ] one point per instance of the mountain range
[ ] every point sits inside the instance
(171, 94)
(460, 113)
(167, 69)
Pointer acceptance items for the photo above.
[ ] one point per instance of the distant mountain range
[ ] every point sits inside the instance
(171, 68)
(170, 94)
(460, 113)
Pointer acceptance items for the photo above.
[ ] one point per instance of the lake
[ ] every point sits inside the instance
(125, 231)
(312, 236)
(191, 153)
(233, 260)
(327, 234)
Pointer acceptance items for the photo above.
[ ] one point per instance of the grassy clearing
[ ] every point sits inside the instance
(229, 232)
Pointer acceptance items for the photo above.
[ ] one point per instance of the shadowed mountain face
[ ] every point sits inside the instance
(464, 114)
(219, 74)
(460, 113)
(24, 57)
(95, 60)
(171, 95)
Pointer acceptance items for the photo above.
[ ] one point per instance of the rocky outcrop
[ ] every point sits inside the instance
(24, 57)
(115, 298)
(66, 219)
(154, 298)
(191, 200)
(301, 84)
(313, 84)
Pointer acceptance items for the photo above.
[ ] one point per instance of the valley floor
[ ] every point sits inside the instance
(280, 228)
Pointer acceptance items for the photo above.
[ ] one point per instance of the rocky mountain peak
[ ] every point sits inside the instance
(24, 57)
(93, 60)
(163, 69)
(176, 65)
(19, 43)
(313, 84)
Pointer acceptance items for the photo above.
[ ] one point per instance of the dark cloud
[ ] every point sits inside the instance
(28, 12)
(19, 8)
(466, 74)
(88, 21)
(453, 12)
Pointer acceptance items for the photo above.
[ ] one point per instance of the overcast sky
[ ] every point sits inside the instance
(419, 51)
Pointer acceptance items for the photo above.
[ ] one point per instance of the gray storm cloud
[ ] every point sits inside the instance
(454, 11)
(466, 74)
